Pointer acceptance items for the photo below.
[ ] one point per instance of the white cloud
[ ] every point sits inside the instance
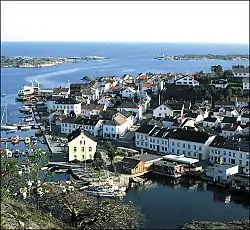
(219, 22)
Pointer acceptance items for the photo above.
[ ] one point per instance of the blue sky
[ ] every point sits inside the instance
(201, 22)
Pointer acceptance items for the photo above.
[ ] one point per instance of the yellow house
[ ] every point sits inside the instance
(81, 145)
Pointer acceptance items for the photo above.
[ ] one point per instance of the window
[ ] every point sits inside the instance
(159, 114)
(230, 154)
(200, 148)
(184, 145)
(83, 157)
(212, 151)
(233, 154)
(82, 149)
(75, 156)
(172, 150)
(224, 152)
(224, 159)
(240, 155)
(137, 142)
(173, 143)
(74, 149)
(194, 147)
(189, 146)
(146, 138)
(178, 151)
(178, 144)
(90, 149)
(80, 142)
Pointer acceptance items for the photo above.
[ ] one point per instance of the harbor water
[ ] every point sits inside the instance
(164, 204)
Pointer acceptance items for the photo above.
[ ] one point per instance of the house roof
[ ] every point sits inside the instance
(77, 133)
(130, 162)
(142, 77)
(221, 103)
(226, 143)
(187, 135)
(229, 120)
(147, 85)
(68, 101)
(125, 113)
(246, 115)
(60, 90)
(210, 119)
(119, 120)
(192, 115)
(92, 106)
(230, 127)
(128, 104)
(240, 99)
(240, 70)
(145, 129)
(146, 157)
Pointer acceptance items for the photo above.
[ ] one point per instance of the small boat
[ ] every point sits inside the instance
(24, 109)
(28, 119)
(26, 127)
(8, 127)
(11, 131)
(61, 171)
(15, 140)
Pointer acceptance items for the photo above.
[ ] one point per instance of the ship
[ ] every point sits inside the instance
(24, 109)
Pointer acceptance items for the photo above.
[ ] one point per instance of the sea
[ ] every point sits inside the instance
(164, 205)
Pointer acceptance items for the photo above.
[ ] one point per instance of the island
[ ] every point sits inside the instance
(227, 57)
(37, 62)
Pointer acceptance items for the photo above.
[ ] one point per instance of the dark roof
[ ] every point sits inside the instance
(230, 127)
(175, 106)
(128, 104)
(130, 163)
(108, 113)
(187, 135)
(78, 132)
(60, 90)
(73, 120)
(81, 85)
(240, 70)
(125, 113)
(228, 103)
(210, 119)
(109, 122)
(192, 115)
(53, 98)
(66, 101)
(229, 120)
(245, 115)
(145, 129)
(159, 132)
(225, 143)
(155, 122)
(91, 122)
(146, 157)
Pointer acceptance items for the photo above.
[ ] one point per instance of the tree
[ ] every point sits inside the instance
(111, 152)
(85, 79)
(98, 162)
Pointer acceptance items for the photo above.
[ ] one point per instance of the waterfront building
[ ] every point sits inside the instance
(224, 104)
(92, 109)
(222, 172)
(170, 169)
(240, 101)
(139, 164)
(244, 119)
(175, 141)
(67, 104)
(230, 151)
(81, 145)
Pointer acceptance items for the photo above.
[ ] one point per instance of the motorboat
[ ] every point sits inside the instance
(26, 90)
(28, 119)
(8, 127)
(24, 109)
(26, 127)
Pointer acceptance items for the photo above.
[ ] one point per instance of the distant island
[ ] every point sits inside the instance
(228, 57)
(37, 62)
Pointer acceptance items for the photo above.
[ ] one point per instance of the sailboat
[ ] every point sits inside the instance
(6, 126)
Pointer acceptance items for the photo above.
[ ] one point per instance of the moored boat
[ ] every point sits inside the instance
(24, 109)
(8, 127)
(26, 127)
(28, 119)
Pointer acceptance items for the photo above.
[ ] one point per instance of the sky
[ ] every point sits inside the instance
(163, 21)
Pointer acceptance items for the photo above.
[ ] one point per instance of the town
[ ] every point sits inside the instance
(136, 127)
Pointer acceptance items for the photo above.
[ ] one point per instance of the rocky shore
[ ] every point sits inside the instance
(237, 224)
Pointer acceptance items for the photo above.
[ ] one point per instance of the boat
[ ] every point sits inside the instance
(8, 127)
(11, 131)
(24, 109)
(26, 91)
(28, 119)
(15, 140)
(26, 127)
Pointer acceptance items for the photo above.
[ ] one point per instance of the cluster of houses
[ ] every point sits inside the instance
(178, 131)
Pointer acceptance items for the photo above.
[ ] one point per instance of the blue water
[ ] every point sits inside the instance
(164, 206)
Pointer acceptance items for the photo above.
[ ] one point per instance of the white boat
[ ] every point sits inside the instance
(26, 90)
(8, 127)
(28, 119)
(24, 109)
(11, 131)
(26, 127)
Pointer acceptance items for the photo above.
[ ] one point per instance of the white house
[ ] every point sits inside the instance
(222, 172)
(240, 71)
(244, 119)
(131, 106)
(116, 128)
(105, 101)
(81, 145)
(231, 151)
(180, 142)
(92, 109)
(196, 117)
(230, 130)
(102, 86)
(246, 84)
(211, 122)
(168, 110)
(128, 93)
(66, 104)
(220, 83)
(186, 80)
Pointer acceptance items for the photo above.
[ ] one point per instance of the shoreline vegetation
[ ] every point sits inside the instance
(237, 224)
(38, 62)
(228, 57)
